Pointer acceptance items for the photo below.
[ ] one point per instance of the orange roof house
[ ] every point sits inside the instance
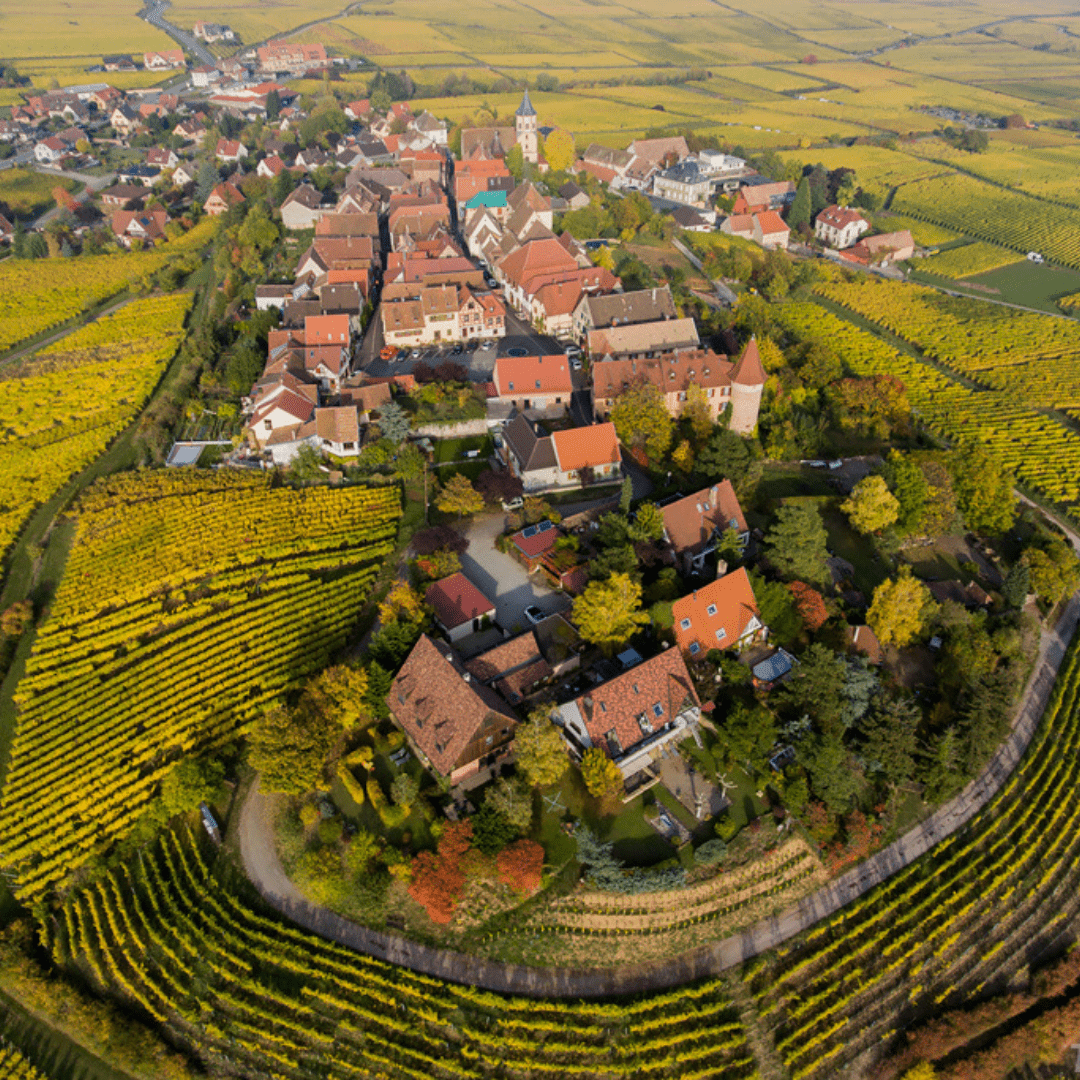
(533, 376)
(631, 716)
(460, 607)
(594, 447)
(451, 718)
(563, 459)
(719, 615)
(222, 198)
(693, 524)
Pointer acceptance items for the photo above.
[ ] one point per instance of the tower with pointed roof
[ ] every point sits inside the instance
(747, 384)
(527, 135)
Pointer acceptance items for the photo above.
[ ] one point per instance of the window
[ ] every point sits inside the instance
(721, 634)
(267, 425)
(695, 648)
(711, 609)
(537, 384)
(684, 624)
(658, 709)
(511, 386)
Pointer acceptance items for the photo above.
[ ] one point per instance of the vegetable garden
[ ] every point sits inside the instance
(189, 602)
(72, 399)
(253, 997)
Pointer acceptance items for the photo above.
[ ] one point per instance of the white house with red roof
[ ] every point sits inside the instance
(563, 459)
(230, 150)
(840, 226)
(631, 716)
(721, 615)
(163, 60)
(460, 607)
(538, 386)
(694, 524)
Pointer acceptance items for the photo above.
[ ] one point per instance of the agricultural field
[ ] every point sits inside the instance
(924, 233)
(13, 1066)
(966, 915)
(164, 935)
(58, 29)
(968, 260)
(189, 601)
(28, 193)
(60, 408)
(1043, 453)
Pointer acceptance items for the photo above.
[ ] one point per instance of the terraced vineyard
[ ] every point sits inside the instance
(13, 1066)
(60, 408)
(255, 998)
(189, 601)
(1042, 452)
(965, 916)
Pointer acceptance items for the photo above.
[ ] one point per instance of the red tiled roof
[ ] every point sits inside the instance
(533, 374)
(586, 447)
(771, 223)
(457, 600)
(718, 613)
(748, 371)
(839, 216)
(538, 256)
(616, 706)
(691, 521)
(535, 545)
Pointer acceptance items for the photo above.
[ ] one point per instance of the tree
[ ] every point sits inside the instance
(776, 606)
(799, 212)
(831, 775)
(984, 490)
(515, 162)
(697, 413)
(626, 495)
(1054, 572)
(540, 751)
(491, 831)
(288, 747)
(460, 497)
(393, 422)
(191, 782)
(814, 689)
(871, 506)
(15, 620)
(345, 691)
(499, 485)
(810, 605)
(749, 732)
(729, 456)
(890, 741)
(306, 465)
(512, 799)
(521, 865)
(404, 791)
(402, 604)
(273, 105)
(603, 778)
(682, 457)
(205, 180)
(795, 545)
(1017, 585)
(559, 150)
(900, 609)
(909, 486)
(608, 613)
(641, 419)
(648, 523)
(437, 879)
(438, 538)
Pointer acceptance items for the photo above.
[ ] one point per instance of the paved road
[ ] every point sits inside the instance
(264, 869)
(93, 184)
(154, 14)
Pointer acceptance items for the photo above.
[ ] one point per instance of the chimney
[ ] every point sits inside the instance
(466, 676)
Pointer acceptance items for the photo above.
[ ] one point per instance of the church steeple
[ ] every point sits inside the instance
(526, 106)
(525, 125)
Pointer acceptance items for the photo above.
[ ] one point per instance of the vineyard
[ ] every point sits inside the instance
(970, 259)
(962, 918)
(38, 294)
(189, 602)
(990, 213)
(13, 1066)
(254, 998)
(1041, 451)
(60, 409)
(1035, 357)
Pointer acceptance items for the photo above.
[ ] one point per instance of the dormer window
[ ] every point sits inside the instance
(684, 624)
(695, 648)
(711, 610)
(658, 710)
(721, 634)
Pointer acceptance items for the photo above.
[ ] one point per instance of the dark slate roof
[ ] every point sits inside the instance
(526, 107)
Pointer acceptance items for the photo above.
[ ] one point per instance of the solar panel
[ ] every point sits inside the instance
(544, 526)
(531, 531)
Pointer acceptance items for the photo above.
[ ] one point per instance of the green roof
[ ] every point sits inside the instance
(490, 199)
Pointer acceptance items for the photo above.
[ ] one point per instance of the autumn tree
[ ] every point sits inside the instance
(871, 506)
(437, 879)
(1053, 572)
(984, 490)
(641, 419)
(608, 613)
(460, 497)
(648, 523)
(345, 689)
(603, 778)
(810, 605)
(404, 791)
(521, 865)
(15, 620)
(288, 747)
(559, 150)
(540, 751)
(697, 413)
(402, 604)
(512, 799)
(796, 543)
(900, 610)
(682, 457)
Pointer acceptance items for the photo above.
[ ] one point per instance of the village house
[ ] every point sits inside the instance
(622, 309)
(285, 410)
(123, 196)
(840, 226)
(162, 158)
(164, 60)
(515, 669)
(538, 257)
(538, 386)
(302, 208)
(683, 183)
(290, 56)
(211, 32)
(720, 615)
(223, 197)
(473, 177)
(755, 198)
(146, 226)
(337, 429)
(455, 724)
(460, 607)
(229, 150)
(694, 524)
(882, 249)
(183, 174)
(632, 715)
(51, 150)
(569, 458)
(690, 220)
(573, 196)
(770, 231)
(642, 340)
(270, 167)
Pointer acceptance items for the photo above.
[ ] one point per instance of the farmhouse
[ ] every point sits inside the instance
(455, 723)
(840, 226)
(460, 607)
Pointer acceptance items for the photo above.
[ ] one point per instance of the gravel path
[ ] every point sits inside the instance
(264, 869)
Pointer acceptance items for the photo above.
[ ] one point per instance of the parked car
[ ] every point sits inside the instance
(388, 352)
(575, 363)
(488, 345)
(534, 614)
(416, 354)
(513, 504)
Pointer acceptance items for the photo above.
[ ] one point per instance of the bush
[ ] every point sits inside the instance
(309, 814)
(711, 852)
(329, 831)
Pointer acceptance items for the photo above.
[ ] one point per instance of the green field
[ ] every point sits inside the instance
(1021, 283)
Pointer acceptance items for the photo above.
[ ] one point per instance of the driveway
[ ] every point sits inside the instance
(502, 579)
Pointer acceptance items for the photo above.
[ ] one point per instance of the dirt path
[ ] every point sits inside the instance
(264, 868)
(67, 328)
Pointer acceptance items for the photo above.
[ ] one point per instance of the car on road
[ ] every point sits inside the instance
(388, 352)
(575, 363)
(534, 614)
(488, 345)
